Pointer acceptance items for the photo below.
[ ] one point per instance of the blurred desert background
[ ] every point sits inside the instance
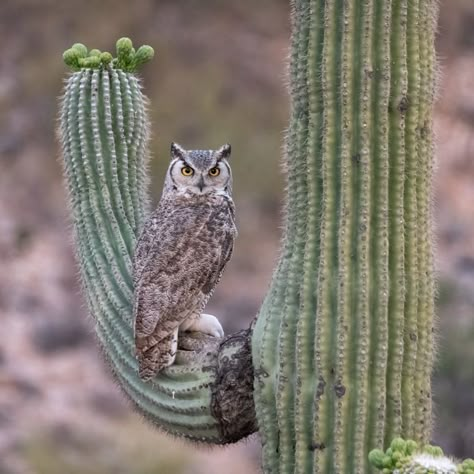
(218, 76)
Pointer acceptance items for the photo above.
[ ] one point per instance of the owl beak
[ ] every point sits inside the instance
(201, 183)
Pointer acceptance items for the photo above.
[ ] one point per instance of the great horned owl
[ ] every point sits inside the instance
(180, 255)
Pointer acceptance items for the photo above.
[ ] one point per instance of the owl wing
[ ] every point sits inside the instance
(191, 247)
(146, 241)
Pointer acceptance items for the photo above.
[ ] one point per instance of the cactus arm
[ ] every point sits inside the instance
(103, 133)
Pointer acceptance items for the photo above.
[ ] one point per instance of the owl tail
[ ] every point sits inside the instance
(153, 359)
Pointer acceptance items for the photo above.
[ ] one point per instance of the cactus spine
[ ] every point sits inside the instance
(103, 132)
(350, 308)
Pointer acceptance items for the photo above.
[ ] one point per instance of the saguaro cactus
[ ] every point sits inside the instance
(103, 132)
(342, 346)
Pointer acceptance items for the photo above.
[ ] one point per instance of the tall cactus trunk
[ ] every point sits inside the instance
(343, 345)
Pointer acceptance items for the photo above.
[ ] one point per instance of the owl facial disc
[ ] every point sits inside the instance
(199, 171)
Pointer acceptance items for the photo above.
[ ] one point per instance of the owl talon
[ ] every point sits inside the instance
(206, 323)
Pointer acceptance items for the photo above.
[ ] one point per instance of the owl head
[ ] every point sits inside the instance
(199, 171)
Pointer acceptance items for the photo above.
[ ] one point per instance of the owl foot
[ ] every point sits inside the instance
(205, 323)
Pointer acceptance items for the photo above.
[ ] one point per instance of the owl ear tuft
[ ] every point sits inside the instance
(177, 151)
(223, 152)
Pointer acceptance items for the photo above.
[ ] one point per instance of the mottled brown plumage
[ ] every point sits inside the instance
(180, 256)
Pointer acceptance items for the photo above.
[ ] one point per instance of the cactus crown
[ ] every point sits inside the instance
(406, 457)
(128, 59)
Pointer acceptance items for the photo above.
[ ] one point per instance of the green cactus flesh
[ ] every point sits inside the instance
(78, 57)
(343, 344)
(405, 457)
(104, 130)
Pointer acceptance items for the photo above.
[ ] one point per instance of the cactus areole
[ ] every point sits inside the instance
(339, 358)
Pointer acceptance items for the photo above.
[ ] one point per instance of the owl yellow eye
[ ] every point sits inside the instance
(214, 172)
(187, 171)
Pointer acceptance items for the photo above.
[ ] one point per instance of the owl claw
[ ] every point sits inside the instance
(207, 324)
